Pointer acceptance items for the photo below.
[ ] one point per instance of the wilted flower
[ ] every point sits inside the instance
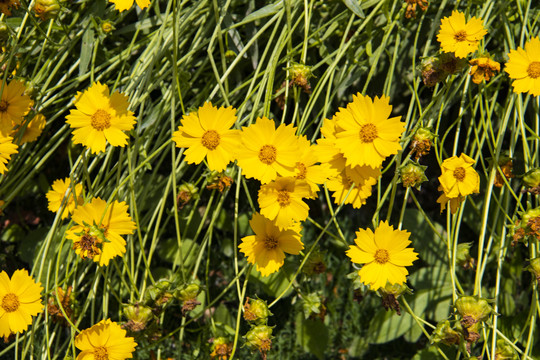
(483, 68)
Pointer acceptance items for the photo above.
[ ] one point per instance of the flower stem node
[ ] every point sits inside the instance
(259, 338)
(444, 333)
(46, 9)
(531, 180)
(412, 174)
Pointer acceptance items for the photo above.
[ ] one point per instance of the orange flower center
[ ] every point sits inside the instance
(283, 198)
(368, 133)
(267, 154)
(210, 139)
(10, 302)
(100, 353)
(3, 105)
(460, 36)
(534, 69)
(459, 174)
(302, 171)
(88, 245)
(270, 242)
(100, 120)
(381, 256)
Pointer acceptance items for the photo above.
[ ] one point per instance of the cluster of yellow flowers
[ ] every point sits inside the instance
(462, 37)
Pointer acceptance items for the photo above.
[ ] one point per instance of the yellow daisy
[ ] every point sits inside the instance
(62, 192)
(459, 177)
(483, 68)
(33, 129)
(307, 167)
(281, 201)
(20, 299)
(524, 67)
(14, 105)
(7, 148)
(208, 133)
(362, 177)
(122, 5)
(5, 6)
(99, 118)
(369, 135)
(459, 36)
(97, 233)
(266, 152)
(384, 255)
(105, 341)
(454, 203)
(268, 246)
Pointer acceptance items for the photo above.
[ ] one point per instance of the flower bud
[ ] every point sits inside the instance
(390, 293)
(422, 142)
(221, 349)
(46, 9)
(463, 257)
(138, 317)
(313, 306)
(315, 263)
(473, 310)
(506, 165)
(158, 294)
(412, 174)
(259, 338)
(431, 71)
(256, 310)
(531, 180)
(534, 268)
(188, 295)
(450, 64)
(107, 26)
(444, 333)
(4, 32)
(300, 75)
(504, 351)
(186, 193)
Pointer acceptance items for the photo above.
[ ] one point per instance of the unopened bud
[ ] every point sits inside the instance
(444, 333)
(463, 257)
(504, 351)
(46, 9)
(412, 174)
(531, 180)
(138, 317)
(259, 338)
(473, 310)
(256, 310)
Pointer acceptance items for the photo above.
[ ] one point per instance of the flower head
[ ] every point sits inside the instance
(384, 254)
(369, 135)
(7, 148)
(33, 129)
(268, 246)
(267, 152)
(524, 67)
(98, 230)
(105, 340)
(281, 201)
(483, 68)
(5, 6)
(208, 134)
(20, 299)
(459, 177)
(14, 105)
(353, 185)
(122, 5)
(61, 190)
(459, 36)
(307, 167)
(100, 117)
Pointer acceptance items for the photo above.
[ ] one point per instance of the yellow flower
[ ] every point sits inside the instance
(267, 152)
(384, 253)
(362, 177)
(281, 201)
(524, 67)
(268, 246)
(61, 190)
(98, 230)
(122, 5)
(208, 134)
(99, 117)
(459, 36)
(454, 203)
(14, 105)
(20, 299)
(483, 68)
(307, 168)
(105, 340)
(33, 129)
(368, 134)
(458, 177)
(7, 148)
(5, 6)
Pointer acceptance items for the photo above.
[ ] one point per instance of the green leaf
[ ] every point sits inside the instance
(430, 247)
(354, 6)
(312, 335)
(266, 11)
(274, 284)
(168, 251)
(87, 47)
